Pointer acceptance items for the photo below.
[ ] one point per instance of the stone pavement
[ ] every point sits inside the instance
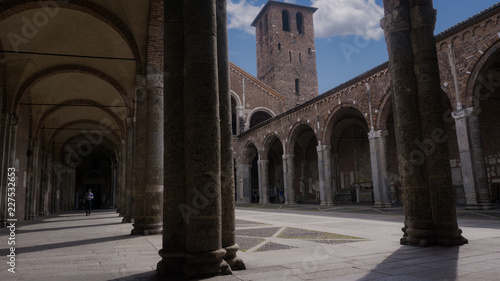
(300, 242)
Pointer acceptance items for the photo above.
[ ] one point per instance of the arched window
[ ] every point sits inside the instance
(300, 57)
(290, 55)
(300, 23)
(297, 86)
(279, 46)
(259, 117)
(309, 51)
(286, 20)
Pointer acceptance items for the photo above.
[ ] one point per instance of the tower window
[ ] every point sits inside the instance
(279, 46)
(286, 20)
(297, 86)
(300, 23)
(266, 25)
(290, 55)
(300, 57)
(309, 51)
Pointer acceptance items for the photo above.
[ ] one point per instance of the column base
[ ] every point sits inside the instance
(234, 262)
(480, 206)
(127, 220)
(417, 237)
(147, 229)
(326, 204)
(380, 205)
(425, 238)
(190, 265)
(290, 203)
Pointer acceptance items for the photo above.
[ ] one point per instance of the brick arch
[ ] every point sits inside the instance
(73, 138)
(383, 111)
(258, 109)
(11, 8)
(489, 49)
(55, 108)
(246, 154)
(266, 144)
(330, 120)
(77, 122)
(67, 68)
(294, 133)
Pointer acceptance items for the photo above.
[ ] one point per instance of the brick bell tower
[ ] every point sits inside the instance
(286, 54)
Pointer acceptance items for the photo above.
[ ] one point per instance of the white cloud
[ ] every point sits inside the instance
(241, 14)
(333, 18)
(348, 17)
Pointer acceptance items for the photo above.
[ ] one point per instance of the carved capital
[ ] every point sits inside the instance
(395, 21)
(423, 16)
(154, 81)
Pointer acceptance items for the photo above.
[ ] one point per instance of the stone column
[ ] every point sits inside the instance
(128, 207)
(325, 174)
(243, 172)
(380, 175)
(472, 161)
(192, 237)
(227, 163)
(6, 154)
(437, 160)
(263, 181)
(289, 178)
(418, 226)
(149, 191)
(122, 172)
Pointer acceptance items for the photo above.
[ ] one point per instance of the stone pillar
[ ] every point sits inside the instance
(325, 174)
(8, 129)
(227, 163)
(148, 201)
(437, 160)
(380, 175)
(122, 179)
(472, 161)
(128, 207)
(430, 214)
(263, 181)
(418, 226)
(192, 237)
(289, 178)
(243, 172)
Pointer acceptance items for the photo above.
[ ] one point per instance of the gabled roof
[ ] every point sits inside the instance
(256, 81)
(272, 2)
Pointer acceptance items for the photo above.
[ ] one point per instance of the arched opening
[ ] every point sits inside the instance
(251, 175)
(285, 20)
(300, 23)
(275, 171)
(306, 181)
(297, 86)
(259, 117)
(351, 157)
(487, 96)
(279, 46)
(95, 173)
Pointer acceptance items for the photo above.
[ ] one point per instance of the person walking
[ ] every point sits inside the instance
(89, 196)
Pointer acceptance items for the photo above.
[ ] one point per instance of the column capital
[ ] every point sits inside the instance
(323, 147)
(372, 134)
(263, 161)
(465, 112)
(395, 21)
(423, 16)
(288, 156)
(154, 81)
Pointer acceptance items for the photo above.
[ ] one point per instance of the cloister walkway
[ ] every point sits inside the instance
(302, 242)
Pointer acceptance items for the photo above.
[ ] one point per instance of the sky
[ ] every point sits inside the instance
(349, 40)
